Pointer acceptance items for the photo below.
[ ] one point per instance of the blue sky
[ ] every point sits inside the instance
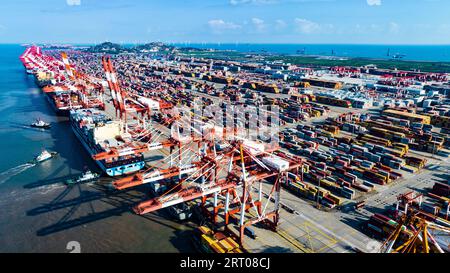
(212, 21)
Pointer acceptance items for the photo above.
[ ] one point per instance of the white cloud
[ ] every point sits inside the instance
(306, 26)
(219, 25)
(374, 2)
(258, 24)
(73, 2)
(280, 24)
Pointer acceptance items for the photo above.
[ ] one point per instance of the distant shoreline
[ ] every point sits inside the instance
(422, 53)
(303, 58)
(434, 53)
(326, 60)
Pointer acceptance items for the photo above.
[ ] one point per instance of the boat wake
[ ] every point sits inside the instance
(6, 175)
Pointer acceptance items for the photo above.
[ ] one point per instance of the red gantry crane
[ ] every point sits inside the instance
(89, 88)
(134, 110)
(229, 177)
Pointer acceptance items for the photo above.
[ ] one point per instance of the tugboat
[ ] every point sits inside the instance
(45, 155)
(39, 123)
(87, 176)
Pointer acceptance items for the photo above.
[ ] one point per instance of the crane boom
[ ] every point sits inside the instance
(129, 150)
(69, 69)
(184, 195)
(156, 175)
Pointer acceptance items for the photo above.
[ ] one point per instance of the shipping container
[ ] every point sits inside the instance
(408, 116)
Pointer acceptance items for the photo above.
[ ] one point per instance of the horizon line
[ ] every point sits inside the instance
(223, 43)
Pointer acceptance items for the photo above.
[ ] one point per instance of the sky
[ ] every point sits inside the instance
(226, 21)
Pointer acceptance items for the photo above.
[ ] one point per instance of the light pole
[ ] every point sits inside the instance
(318, 195)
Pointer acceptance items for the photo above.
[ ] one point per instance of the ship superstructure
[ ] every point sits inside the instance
(99, 133)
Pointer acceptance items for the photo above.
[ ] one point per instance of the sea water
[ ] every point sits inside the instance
(41, 214)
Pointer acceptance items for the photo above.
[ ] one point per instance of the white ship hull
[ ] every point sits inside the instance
(115, 171)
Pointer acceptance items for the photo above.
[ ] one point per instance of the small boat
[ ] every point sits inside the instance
(45, 155)
(87, 176)
(39, 123)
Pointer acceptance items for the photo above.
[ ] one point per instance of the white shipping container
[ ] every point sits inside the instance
(152, 104)
(253, 147)
(276, 163)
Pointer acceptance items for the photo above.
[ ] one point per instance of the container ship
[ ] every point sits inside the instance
(98, 133)
(63, 99)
